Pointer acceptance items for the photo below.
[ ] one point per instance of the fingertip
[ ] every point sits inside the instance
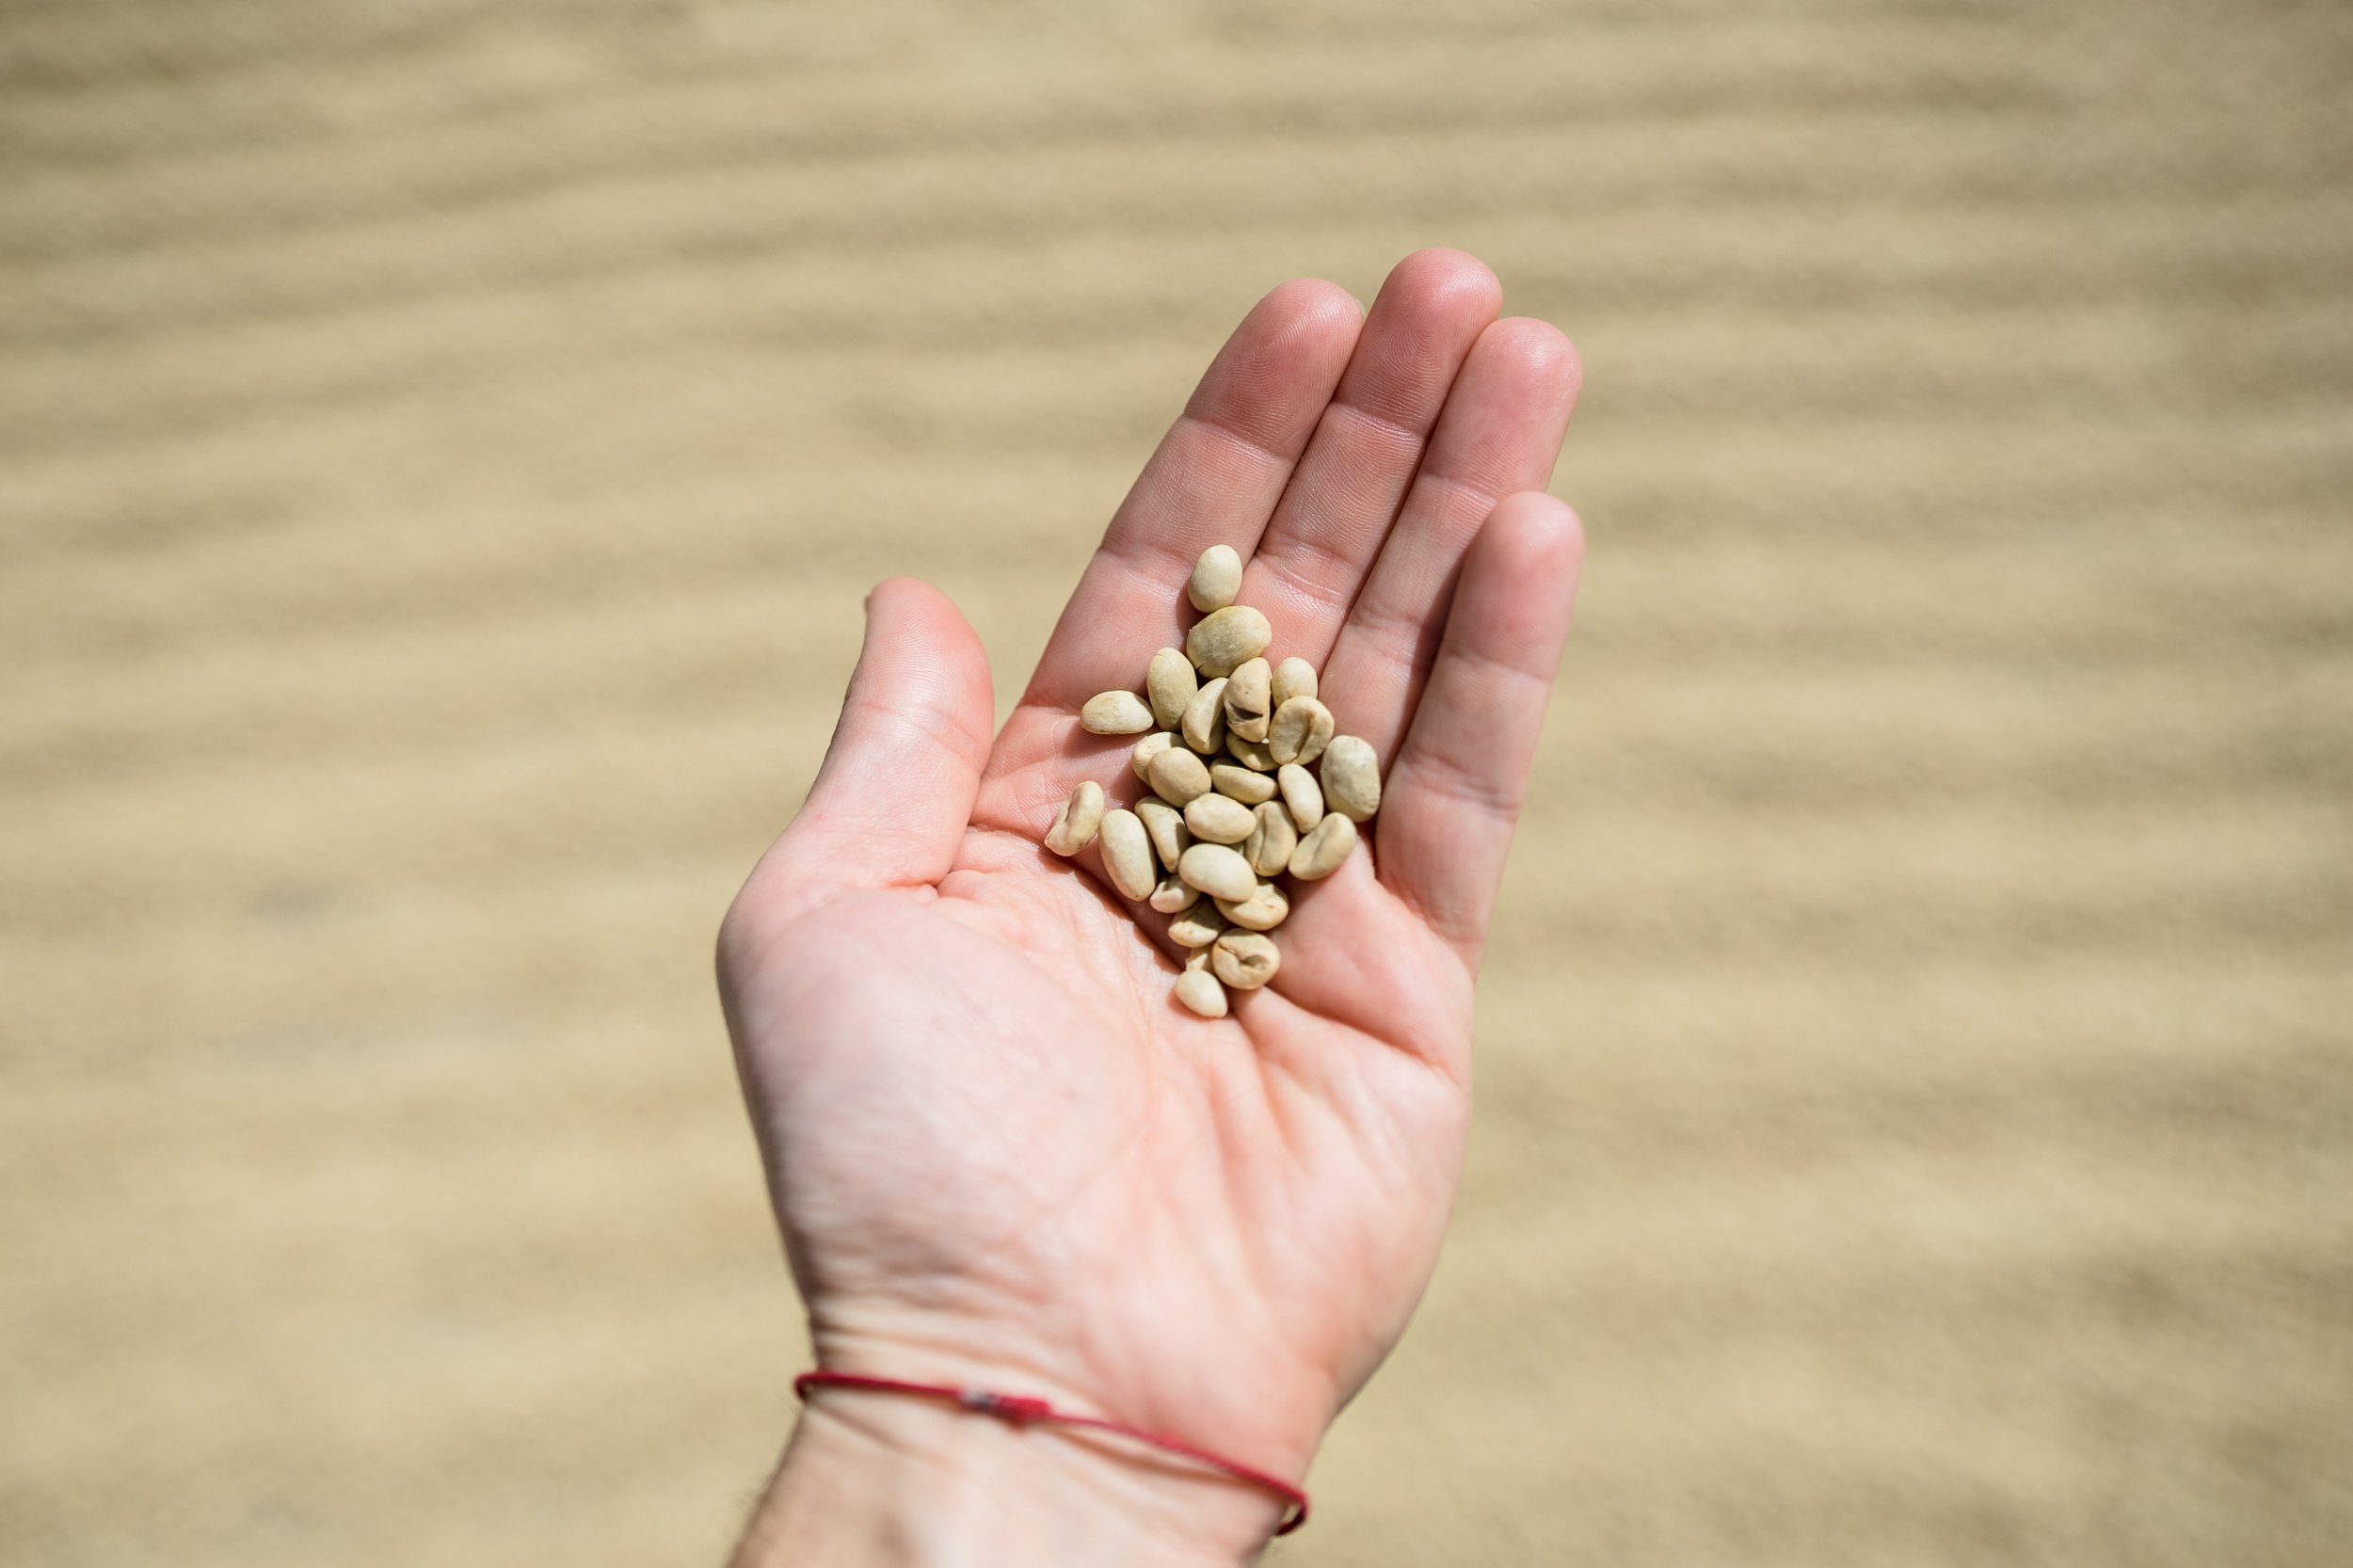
(892, 590)
(892, 798)
(1442, 278)
(1536, 523)
(930, 649)
(1508, 410)
(1550, 358)
(1423, 325)
(1270, 382)
(914, 607)
(1312, 306)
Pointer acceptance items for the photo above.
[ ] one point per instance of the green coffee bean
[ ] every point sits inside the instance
(1231, 778)
(1166, 825)
(1140, 759)
(1171, 896)
(1226, 638)
(1219, 870)
(1250, 753)
(1177, 775)
(1170, 683)
(1263, 911)
(1200, 993)
(1218, 818)
(1216, 578)
(1198, 926)
(1128, 854)
(1299, 732)
(1244, 959)
(1302, 795)
(1352, 778)
(1076, 823)
(1247, 710)
(1319, 852)
(1272, 840)
(1204, 724)
(1294, 677)
(1116, 713)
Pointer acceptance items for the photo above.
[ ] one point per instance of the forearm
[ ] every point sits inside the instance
(878, 1482)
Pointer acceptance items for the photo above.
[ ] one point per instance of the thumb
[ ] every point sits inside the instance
(890, 804)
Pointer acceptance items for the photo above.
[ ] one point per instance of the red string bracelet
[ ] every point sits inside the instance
(1022, 1410)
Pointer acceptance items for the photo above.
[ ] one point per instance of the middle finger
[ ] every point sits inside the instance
(1328, 528)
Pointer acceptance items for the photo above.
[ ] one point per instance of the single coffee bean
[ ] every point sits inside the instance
(1224, 639)
(1352, 778)
(1261, 911)
(1177, 775)
(1166, 825)
(1302, 794)
(1244, 959)
(1128, 854)
(1169, 895)
(1200, 993)
(1272, 840)
(1198, 926)
(1319, 852)
(1231, 778)
(1116, 713)
(1204, 724)
(1151, 745)
(1246, 705)
(1219, 819)
(1300, 730)
(1216, 578)
(1218, 869)
(1076, 823)
(1170, 683)
(1253, 755)
(1294, 677)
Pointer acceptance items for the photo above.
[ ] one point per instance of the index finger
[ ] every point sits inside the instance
(1215, 479)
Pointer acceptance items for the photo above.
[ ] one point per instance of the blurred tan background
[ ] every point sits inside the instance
(445, 445)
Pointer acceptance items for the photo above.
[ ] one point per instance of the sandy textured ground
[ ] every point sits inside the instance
(445, 444)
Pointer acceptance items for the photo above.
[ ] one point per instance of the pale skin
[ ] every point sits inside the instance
(1001, 1155)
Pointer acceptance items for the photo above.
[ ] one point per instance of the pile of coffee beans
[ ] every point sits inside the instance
(1249, 784)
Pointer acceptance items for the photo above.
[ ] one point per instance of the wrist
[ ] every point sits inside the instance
(880, 1480)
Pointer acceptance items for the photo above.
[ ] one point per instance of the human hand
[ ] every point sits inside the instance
(1000, 1153)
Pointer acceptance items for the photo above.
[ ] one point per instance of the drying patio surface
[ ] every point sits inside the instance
(444, 449)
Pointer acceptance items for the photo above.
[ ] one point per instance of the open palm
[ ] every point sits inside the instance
(999, 1152)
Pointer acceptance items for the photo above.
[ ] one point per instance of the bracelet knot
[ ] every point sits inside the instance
(1024, 1409)
(1020, 1409)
